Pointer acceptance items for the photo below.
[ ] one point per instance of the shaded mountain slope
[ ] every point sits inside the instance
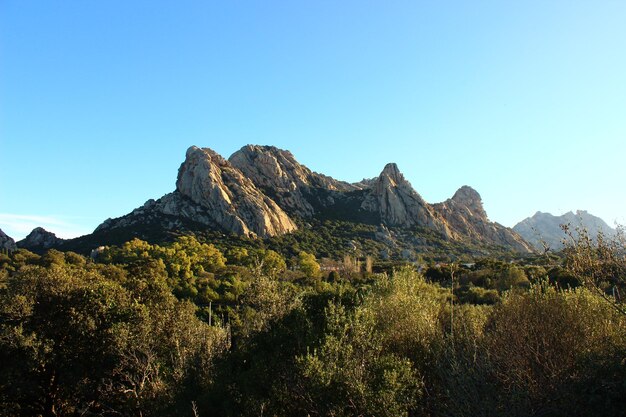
(7, 242)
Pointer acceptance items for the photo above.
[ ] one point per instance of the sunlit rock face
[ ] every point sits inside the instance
(234, 201)
(399, 204)
(466, 217)
(292, 185)
(211, 192)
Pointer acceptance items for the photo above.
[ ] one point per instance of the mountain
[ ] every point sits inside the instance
(6, 242)
(264, 192)
(546, 228)
(40, 239)
(398, 204)
(212, 192)
(464, 213)
(292, 185)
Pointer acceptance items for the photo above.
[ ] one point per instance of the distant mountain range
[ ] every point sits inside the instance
(544, 229)
(264, 192)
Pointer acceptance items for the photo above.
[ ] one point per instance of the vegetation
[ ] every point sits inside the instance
(325, 236)
(98, 341)
(214, 329)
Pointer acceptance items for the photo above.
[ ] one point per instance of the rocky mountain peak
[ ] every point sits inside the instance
(201, 167)
(466, 193)
(39, 238)
(398, 204)
(236, 203)
(268, 166)
(465, 215)
(469, 198)
(292, 185)
(392, 173)
(6, 242)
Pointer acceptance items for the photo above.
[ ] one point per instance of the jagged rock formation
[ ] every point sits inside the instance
(211, 191)
(6, 242)
(398, 204)
(235, 202)
(40, 239)
(168, 211)
(545, 229)
(465, 215)
(262, 190)
(292, 185)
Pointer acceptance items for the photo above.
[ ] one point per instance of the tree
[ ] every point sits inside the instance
(351, 374)
(269, 262)
(511, 278)
(308, 265)
(238, 256)
(74, 342)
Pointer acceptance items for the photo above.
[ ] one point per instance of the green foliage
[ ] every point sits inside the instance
(72, 341)
(17, 259)
(351, 374)
(269, 262)
(477, 295)
(238, 256)
(128, 334)
(510, 278)
(186, 261)
(265, 301)
(308, 265)
(542, 341)
(408, 312)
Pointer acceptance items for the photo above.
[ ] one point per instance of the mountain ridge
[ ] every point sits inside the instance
(262, 191)
(544, 231)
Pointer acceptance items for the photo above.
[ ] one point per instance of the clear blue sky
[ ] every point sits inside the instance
(523, 100)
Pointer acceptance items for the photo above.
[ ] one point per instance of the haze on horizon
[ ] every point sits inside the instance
(524, 102)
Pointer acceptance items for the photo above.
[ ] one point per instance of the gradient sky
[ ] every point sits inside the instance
(523, 100)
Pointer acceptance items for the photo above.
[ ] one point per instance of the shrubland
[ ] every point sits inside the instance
(188, 328)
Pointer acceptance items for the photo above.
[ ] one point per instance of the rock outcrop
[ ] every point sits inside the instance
(465, 215)
(212, 192)
(232, 198)
(398, 204)
(292, 185)
(545, 229)
(6, 242)
(40, 239)
(260, 190)
(168, 212)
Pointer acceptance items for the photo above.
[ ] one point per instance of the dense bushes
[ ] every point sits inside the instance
(352, 373)
(403, 348)
(181, 329)
(74, 342)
